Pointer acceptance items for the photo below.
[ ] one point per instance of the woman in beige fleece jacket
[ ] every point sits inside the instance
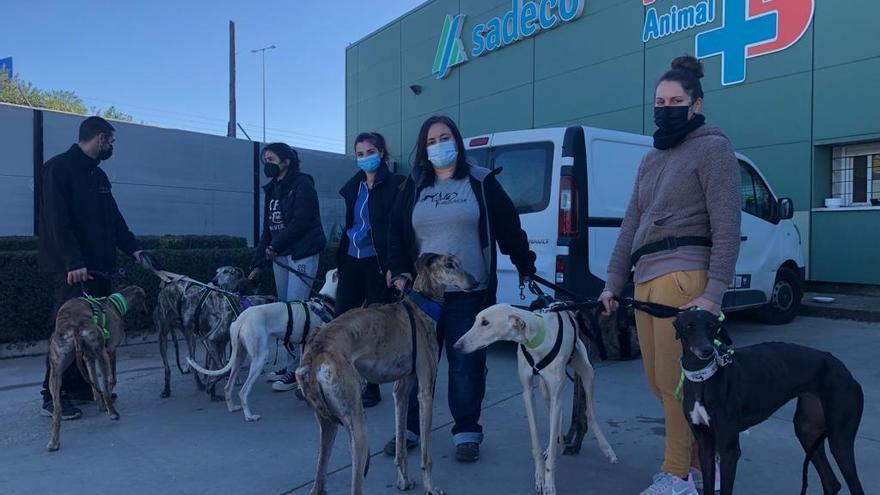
(687, 189)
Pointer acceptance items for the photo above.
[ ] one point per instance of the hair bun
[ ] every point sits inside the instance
(689, 63)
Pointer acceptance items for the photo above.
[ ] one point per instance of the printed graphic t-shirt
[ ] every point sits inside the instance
(446, 220)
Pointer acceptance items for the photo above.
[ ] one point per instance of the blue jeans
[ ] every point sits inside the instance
(467, 372)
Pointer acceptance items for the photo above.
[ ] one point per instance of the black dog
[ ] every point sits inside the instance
(728, 392)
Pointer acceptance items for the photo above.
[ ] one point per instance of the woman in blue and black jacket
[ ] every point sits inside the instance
(362, 257)
(449, 206)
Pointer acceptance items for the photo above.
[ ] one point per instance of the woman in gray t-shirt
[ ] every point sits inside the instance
(449, 206)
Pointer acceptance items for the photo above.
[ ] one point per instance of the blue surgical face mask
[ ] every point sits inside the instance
(442, 154)
(369, 163)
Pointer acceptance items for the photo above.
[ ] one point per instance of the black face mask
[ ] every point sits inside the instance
(105, 154)
(670, 119)
(673, 126)
(271, 170)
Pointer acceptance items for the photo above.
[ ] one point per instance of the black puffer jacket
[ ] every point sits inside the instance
(80, 223)
(379, 204)
(303, 234)
(499, 225)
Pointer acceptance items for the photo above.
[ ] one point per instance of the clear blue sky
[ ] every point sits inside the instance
(165, 62)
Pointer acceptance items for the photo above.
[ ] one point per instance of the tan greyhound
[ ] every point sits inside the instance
(389, 343)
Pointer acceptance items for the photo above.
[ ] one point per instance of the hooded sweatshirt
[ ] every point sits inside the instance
(692, 189)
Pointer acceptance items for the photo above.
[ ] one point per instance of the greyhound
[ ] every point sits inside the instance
(548, 343)
(88, 331)
(198, 313)
(294, 322)
(383, 343)
(726, 392)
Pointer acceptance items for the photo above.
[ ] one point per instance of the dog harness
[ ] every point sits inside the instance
(428, 306)
(99, 315)
(237, 306)
(539, 339)
(321, 310)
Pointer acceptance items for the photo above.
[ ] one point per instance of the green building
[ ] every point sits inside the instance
(794, 84)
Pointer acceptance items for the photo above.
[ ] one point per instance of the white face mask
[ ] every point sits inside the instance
(443, 154)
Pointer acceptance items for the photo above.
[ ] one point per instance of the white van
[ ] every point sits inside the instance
(571, 187)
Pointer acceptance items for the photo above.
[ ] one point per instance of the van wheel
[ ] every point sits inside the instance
(785, 299)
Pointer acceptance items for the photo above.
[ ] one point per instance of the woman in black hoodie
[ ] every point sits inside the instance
(293, 236)
(363, 248)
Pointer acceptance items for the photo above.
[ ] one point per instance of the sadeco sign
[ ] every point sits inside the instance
(524, 20)
(749, 29)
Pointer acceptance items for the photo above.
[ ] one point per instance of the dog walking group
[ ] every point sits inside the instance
(415, 278)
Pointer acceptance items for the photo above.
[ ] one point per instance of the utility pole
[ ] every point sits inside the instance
(230, 130)
(263, 53)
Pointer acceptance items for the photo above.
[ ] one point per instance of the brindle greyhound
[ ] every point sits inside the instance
(89, 331)
(199, 314)
(389, 343)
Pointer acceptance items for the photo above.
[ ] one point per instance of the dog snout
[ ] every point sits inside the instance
(704, 353)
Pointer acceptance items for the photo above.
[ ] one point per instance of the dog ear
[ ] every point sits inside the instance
(425, 261)
(517, 323)
(723, 336)
(335, 276)
(679, 327)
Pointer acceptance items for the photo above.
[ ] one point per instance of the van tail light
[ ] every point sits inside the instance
(560, 270)
(568, 207)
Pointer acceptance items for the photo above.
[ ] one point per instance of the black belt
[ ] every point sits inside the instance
(669, 244)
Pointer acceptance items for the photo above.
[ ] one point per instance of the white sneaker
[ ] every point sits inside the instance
(667, 484)
(696, 476)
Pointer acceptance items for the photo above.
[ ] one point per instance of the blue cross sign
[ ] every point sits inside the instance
(737, 33)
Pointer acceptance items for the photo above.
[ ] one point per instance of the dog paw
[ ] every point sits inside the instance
(612, 458)
(165, 394)
(234, 408)
(53, 446)
(571, 450)
(405, 484)
(114, 416)
(252, 417)
(434, 491)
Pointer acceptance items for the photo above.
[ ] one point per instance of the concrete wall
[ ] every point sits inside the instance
(596, 71)
(166, 181)
(17, 171)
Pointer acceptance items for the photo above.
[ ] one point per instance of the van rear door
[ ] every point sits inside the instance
(528, 160)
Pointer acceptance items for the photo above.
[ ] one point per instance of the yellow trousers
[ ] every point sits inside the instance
(661, 353)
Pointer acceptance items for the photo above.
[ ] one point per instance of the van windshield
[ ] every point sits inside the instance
(526, 175)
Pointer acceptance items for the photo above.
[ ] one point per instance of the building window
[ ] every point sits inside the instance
(855, 174)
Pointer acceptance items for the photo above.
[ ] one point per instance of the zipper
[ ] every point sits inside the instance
(367, 202)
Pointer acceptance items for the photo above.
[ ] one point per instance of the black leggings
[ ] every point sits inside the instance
(360, 281)
(72, 381)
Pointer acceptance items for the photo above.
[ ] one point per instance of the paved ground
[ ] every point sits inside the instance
(188, 445)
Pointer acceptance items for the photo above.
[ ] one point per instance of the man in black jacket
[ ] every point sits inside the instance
(80, 229)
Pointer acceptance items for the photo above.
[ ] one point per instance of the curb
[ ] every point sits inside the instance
(41, 347)
(838, 313)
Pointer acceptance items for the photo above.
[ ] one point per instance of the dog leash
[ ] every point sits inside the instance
(305, 279)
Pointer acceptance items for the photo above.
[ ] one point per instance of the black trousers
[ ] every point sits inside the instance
(360, 282)
(72, 381)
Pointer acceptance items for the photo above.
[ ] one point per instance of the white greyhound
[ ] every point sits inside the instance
(548, 343)
(293, 322)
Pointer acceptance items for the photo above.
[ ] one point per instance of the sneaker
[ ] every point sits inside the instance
(696, 477)
(467, 452)
(68, 411)
(391, 447)
(276, 375)
(667, 484)
(286, 383)
(372, 395)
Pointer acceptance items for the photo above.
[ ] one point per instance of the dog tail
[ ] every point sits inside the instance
(80, 364)
(233, 339)
(810, 453)
(307, 379)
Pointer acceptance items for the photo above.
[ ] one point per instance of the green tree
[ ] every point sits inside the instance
(24, 93)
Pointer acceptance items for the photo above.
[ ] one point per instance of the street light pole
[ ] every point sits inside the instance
(263, 56)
